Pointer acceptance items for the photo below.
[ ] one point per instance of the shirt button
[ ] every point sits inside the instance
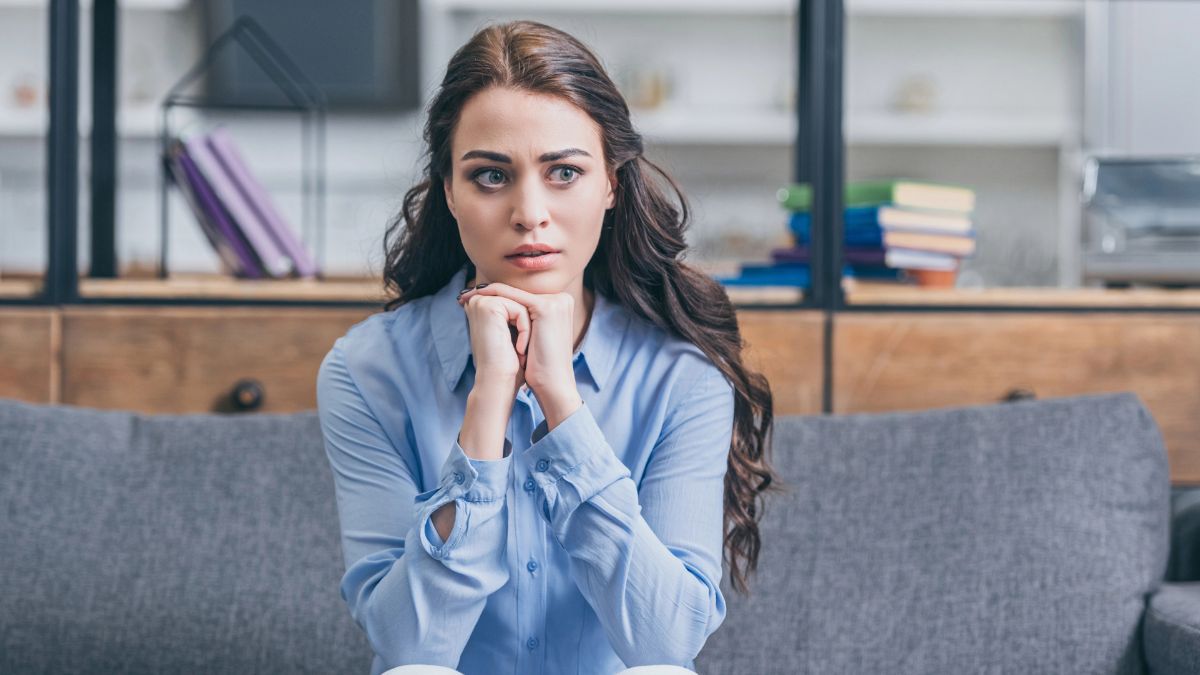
(458, 477)
(529, 485)
(543, 464)
(531, 566)
(531, 643)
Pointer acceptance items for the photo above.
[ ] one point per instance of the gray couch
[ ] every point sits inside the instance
(1027, 537)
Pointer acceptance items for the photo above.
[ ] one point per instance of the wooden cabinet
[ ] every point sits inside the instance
(189, 360)
(786, 347)
(29, 343)
(180, 360)
(909, 361)
(177, 360)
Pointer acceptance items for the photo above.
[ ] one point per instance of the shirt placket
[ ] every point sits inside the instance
(528, 567)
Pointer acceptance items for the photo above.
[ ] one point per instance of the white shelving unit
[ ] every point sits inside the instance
(35, 123)
(884, 128)
(966, 8)
(931, 8)
(719, 7)
(1002, 67)
(1006, 119)
(152, 5)
(689, 125)
(958, 129)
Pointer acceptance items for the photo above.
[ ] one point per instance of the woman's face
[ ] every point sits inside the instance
(528, 169)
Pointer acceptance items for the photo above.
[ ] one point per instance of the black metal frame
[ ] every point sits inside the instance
(818, 159)
(104, 140)
(62, 276)
(303, 96)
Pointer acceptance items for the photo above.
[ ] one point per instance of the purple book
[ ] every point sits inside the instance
(273, 260)
(853, 255)
(256, 196)
(229, 259)
(210, 210)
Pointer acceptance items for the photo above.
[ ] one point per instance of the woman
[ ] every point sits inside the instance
(542, 445)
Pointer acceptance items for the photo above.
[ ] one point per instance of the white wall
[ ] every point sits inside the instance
(1154, 99)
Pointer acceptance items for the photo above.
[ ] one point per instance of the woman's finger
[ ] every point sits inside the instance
(495, 288)
(524, 326)
(516, 315)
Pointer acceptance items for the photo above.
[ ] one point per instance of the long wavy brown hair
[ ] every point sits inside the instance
(637, 261)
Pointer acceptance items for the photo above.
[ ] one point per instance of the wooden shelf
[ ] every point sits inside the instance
(765, 295)
(225, 288)
(349, 290)
(19, 288)
(370, 290)
(876, 293)
(363, 290)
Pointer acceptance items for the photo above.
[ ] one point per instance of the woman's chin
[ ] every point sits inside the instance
(540, 283)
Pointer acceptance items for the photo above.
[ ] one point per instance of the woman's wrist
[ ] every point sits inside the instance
(557, 407)
(485, 421)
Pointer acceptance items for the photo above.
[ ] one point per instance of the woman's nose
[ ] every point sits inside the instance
(530, 209)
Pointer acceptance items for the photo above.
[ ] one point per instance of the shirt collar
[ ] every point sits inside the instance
(452, 338)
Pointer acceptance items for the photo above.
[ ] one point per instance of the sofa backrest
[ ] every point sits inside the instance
(169, 544)
(1019, 537)
(1015, 537)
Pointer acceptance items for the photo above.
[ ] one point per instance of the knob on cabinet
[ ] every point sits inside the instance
(247, 395)
(1019, 395)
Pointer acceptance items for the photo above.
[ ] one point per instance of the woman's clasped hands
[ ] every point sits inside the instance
(519, 337)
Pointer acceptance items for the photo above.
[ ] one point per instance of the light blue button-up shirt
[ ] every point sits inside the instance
(587, 549)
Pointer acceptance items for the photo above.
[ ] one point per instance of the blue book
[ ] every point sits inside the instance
(754, 274)
(877, 272)
(866, 224)
(854, 233)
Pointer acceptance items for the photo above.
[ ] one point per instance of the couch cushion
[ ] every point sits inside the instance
(1017, 537)
(169, 544)
(1171, 629)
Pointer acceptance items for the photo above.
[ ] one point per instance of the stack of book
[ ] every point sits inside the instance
(891, 230)
(889, 227)
(237, 216)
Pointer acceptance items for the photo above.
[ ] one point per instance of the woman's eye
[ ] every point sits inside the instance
(569, 173)
(490, 172)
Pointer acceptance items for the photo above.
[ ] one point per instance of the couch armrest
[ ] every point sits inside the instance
(1184, 561)
(1171, 629)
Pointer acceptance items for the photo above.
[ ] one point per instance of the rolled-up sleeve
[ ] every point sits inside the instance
(648, 558)
(416, 597)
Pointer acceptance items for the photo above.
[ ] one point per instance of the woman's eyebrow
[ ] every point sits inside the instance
(505, 159)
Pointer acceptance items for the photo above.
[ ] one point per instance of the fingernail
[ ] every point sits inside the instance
(481, 285)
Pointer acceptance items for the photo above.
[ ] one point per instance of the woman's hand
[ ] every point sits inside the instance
(500, 332)
(551, 336)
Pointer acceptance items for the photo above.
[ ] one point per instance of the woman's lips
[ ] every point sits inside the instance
(538, 262)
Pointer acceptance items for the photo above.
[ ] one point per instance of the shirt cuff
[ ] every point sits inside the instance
(476, 480)
(471, 480)
(572, 463)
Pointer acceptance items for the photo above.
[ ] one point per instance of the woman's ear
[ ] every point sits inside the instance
(449, 196)
(612, 191)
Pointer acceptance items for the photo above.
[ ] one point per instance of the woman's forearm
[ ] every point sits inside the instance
(481, 436)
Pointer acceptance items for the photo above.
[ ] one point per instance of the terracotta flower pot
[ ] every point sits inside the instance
(935, 278)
